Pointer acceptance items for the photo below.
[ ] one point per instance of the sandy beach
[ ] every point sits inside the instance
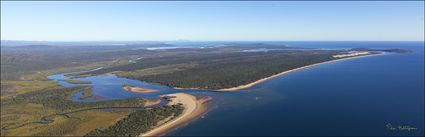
(292, 70)
(193, 108)
(138, 89)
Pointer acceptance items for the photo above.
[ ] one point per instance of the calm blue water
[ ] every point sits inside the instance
(354, 97)
(360, 96)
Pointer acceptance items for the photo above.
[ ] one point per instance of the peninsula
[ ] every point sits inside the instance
(193, 108)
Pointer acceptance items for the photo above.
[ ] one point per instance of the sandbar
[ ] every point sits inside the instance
(138, 89)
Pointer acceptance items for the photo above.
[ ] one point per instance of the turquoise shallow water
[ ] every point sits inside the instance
(363, 96)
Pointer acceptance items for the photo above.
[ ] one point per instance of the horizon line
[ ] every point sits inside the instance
(206, 40)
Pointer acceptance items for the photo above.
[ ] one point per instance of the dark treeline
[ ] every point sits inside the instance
(139, 121)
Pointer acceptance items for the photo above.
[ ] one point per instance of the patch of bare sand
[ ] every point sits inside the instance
(138, 89)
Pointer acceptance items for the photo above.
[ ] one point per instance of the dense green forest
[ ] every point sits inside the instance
(238, 71)
(222, 70)
(143, 119)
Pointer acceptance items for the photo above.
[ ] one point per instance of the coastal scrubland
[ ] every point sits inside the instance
(139, 121)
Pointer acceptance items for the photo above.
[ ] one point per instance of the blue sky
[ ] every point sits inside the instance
(213, 21)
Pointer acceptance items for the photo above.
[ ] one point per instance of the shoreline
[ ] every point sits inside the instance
(193, 108)
(292, 70)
